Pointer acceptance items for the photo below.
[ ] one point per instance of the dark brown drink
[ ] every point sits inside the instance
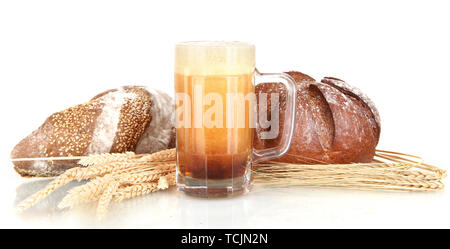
(215, 167)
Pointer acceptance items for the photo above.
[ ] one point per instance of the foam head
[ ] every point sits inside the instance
(214, 58)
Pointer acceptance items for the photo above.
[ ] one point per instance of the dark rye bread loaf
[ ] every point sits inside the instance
(130, 118)
(335, 123)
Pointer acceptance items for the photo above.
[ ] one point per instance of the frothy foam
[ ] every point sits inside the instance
(214, 58)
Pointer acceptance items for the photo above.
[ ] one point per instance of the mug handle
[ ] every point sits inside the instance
(289, 122)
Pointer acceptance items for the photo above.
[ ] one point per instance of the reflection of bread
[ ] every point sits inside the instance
(335, 122)
(130, 118)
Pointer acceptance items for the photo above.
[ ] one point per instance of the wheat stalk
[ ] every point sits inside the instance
(147, 167)
(92, 190)
(161, 156)
(88, 192)
(100, 165)
(135, 190)
(401, 175)
(40, 195)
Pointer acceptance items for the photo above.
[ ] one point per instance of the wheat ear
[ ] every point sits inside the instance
(90, 191)
(106, 198)
(58, 182)
(149, 167)
(166, 181)
(134, 178)
(161, 156)
(68, 176)
(135, 190)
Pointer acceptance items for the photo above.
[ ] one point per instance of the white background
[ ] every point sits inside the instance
(54, 54)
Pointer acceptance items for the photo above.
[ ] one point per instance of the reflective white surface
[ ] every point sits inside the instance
(264, 207)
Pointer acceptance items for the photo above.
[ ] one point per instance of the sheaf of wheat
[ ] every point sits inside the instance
(116, 177)
(103, 170)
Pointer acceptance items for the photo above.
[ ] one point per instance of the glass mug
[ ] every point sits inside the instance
(215, 117)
